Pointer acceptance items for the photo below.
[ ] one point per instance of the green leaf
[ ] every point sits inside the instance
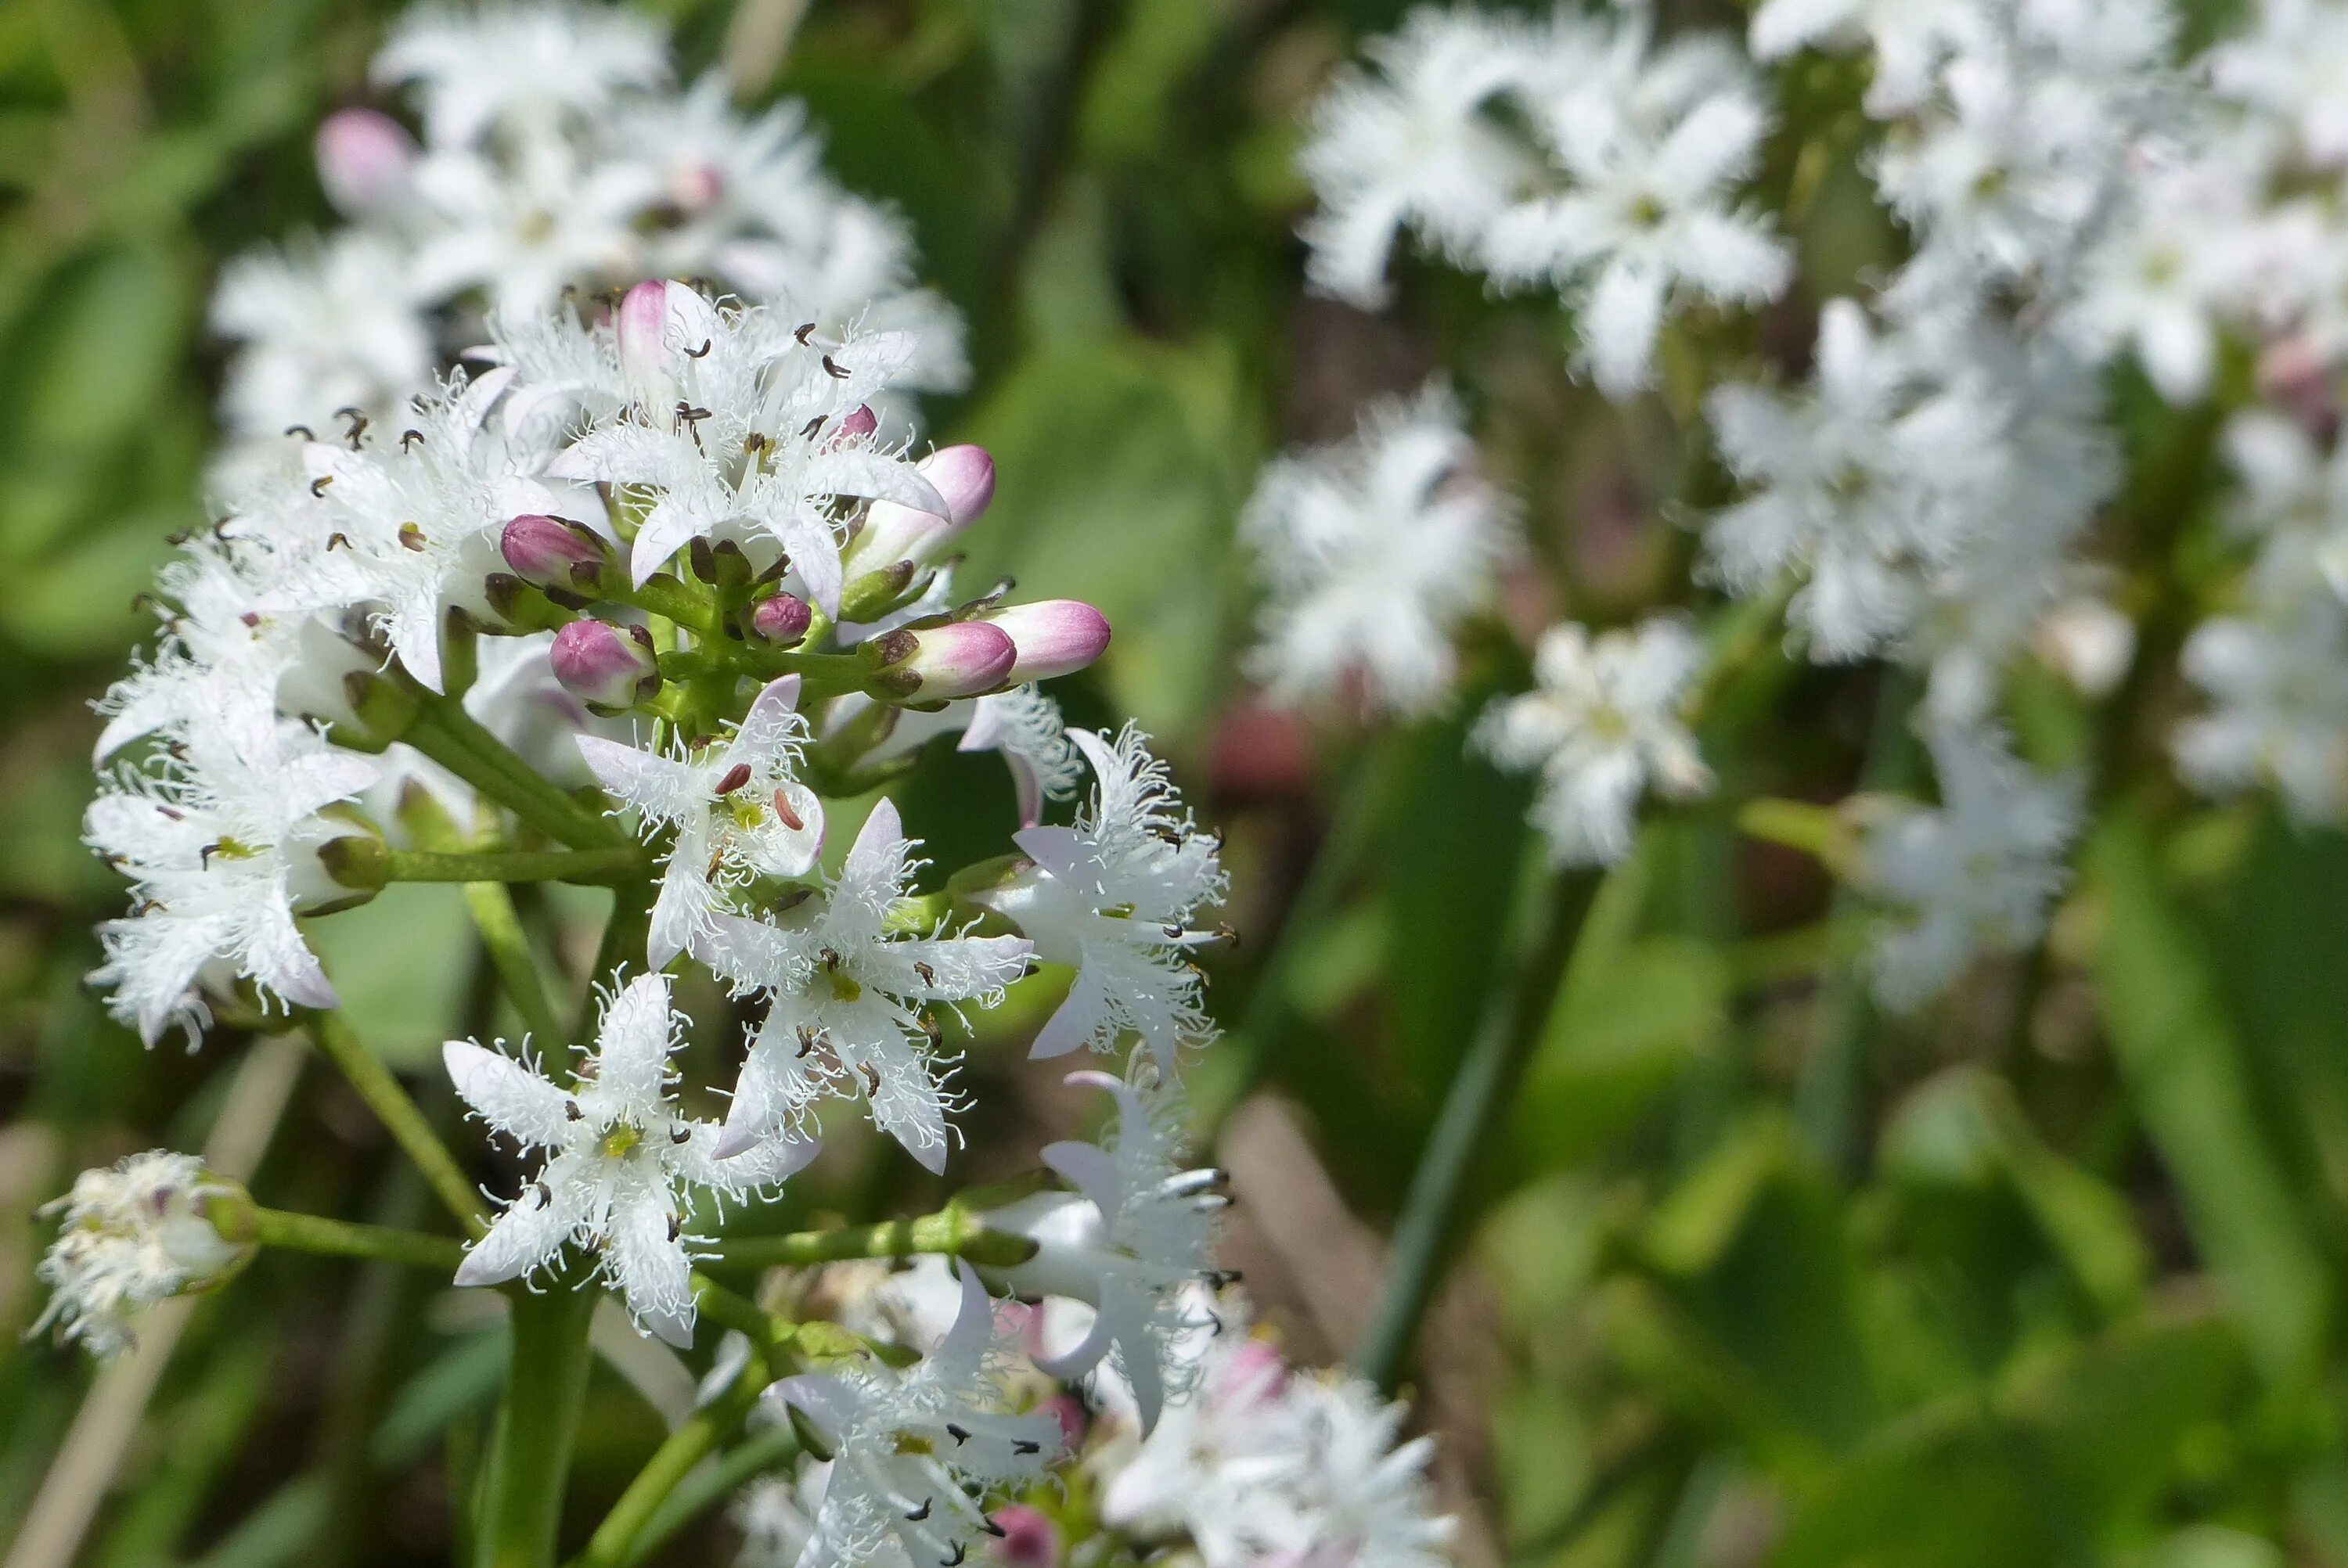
(2184, 1071)
(400, 965)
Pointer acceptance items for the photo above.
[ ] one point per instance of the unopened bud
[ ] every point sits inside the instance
(556, 553)
(527, 608)
(963, 477)
(606, 666)
(1028, 1538)
(782, 621)
(365, 159)
(854, 426)
(1054, 637)
(937, 663)
(871, 595)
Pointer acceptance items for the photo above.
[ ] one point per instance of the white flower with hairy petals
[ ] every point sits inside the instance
(1858, 484)
(1412, 147)
(1114, 898)
(521, 232)
(849, 984)
(409, 524)
(220, 839)
(1021, 725)
(1651, 157)
(915, 1453)
(2294, 502)
(2293, 64)
(1603, 727)
(737, 430)
(1908, 37)
(1977, 872)
(337, 325)
(619, 1160)
(739, 811)
(1365, 1499)
(526, 65)
(133, 1235)
(1373, 552)
(2278, 715)
(1137, 1227)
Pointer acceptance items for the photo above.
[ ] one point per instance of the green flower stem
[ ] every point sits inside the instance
(614, 1543)
(731, 1309)
(1546, 919)
(500, 924)
(754, 1456)
(341, 1238)
(951, 1231)
(451, 737)
(537, 1426)
(1826, 1093)
(408, 1129)
(672, 598)
(592, 867)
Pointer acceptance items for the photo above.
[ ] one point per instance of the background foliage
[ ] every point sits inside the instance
(1743, 1274)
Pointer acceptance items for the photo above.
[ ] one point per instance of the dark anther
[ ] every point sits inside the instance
(571, 1109)
(318, 485)
(806, 431)
(807, 1040)
(675, 1227)
(251, 618)
(871, 1078)
(545, 1193)
(304, 431)
(701, 353)
(988, 1524)
(680, 1134)
(410, 438)
(957, 1433)
(411, 537)
(930, 1027)
(831, 957)
(929, 976)
(805, 328)
(358, 424)
(831, 368)
(204, 856)
(1025, 1446)
(735, 777)
(922, 1512)
(960, 1552)
(338, 537)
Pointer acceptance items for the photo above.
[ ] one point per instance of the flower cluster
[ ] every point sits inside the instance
(656, 593)
(555, 157)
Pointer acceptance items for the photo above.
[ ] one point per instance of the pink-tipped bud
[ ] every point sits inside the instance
(1026, 1539)
(856, 425)
(660, 325)
(606, 666)
(1053, 635)
(782, 621)
(365, 159)
(555, 552)
(963, 477)
(937, 664)
(695, 186)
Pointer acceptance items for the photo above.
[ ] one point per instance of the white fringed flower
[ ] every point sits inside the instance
(849, 984)
(619, 1160)
(1977, 872)
(915, 1453)
(1114, 896)
(738, 807)
(133, 1235)
(1602, 728)
(1137, 1228)
(1373, 553)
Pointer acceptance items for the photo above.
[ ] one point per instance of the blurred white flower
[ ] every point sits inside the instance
(1373, 553)
(132, 1235)
(1603, 727)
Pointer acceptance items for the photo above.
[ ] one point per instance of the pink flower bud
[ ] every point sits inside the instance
(555, 552)
(695, 186)
(854, 426)
(606, 666)
(1053, 635)
(782, 621)
(1028, 1539)
(962, 476)
(365, 159)
(936, 663)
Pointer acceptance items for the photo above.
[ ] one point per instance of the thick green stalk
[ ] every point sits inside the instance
(1547, 919)
(502, 937)
(537, 1427)
(341, 1238)
(444, 732)
(584, 865)
(614, 1543)
(404, 1123)
(953, 1232)
(754, 1456)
